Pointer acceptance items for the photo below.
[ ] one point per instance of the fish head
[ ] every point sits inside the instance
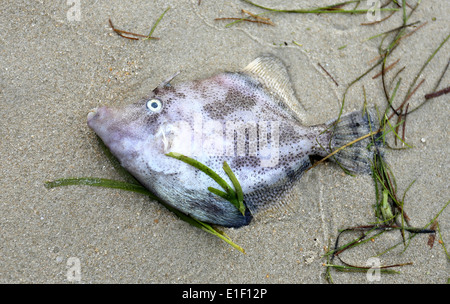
(141, 133)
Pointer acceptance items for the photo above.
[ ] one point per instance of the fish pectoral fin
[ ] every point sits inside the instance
(271, 72)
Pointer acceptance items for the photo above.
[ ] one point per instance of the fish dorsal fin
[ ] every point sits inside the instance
(166, 83)
(271, 72)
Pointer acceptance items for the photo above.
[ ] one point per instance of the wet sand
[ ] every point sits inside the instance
(56, 66)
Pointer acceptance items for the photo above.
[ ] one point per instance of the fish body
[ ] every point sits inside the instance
(251, 119)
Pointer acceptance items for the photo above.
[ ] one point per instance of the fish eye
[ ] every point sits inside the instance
(154, 105)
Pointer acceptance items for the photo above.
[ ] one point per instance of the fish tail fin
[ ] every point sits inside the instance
(349, 128)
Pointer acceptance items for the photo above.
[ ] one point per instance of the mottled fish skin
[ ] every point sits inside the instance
(250, 119)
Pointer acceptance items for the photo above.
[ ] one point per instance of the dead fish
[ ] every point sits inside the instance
(251, 119)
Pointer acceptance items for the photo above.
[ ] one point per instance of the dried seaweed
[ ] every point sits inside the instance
(132, 36)
(390, 206)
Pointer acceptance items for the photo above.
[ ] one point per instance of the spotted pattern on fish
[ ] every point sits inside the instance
(251, 119)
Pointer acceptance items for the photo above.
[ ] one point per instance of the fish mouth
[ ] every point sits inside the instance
(91, 115)
(94, 118)
(100, 120)
(105, 122)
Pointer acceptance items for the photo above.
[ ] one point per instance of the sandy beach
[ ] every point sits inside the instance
(59, 60)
